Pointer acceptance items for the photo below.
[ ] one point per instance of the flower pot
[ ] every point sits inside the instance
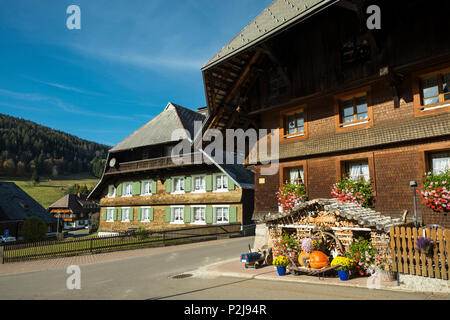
(343, 275)
(281, 271)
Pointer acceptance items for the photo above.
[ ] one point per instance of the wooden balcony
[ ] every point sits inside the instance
(150, 164)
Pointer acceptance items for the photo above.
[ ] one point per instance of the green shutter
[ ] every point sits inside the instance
(167, 215)
(119, 215)
(188, 184)
(169, 185)
(136, 188)
(187, 214)
(104, 214)
(150, 214)
(119, 190)
(209, 182)
(209, 215)
(230, 183)
(232, 211)
(154, 184)
(131, 214)
(139, 214)
(115, 214)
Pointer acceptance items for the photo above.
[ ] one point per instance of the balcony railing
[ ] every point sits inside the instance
(149, 164)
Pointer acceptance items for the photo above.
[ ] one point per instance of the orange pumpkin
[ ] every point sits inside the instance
(318, 259)
(302, 257)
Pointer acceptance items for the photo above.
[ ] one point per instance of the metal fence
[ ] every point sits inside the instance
(22, 251)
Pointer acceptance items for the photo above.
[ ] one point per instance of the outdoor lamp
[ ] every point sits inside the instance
(413, 184)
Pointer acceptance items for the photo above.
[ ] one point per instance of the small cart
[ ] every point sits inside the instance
(257, 259)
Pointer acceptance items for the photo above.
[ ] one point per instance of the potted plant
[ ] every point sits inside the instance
(363, 253)
(350, 190)
(436, 191)
(424, 245)
(346, 264)
(290, 196)
(281, 262)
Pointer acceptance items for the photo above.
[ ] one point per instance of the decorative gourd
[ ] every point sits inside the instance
(318, 259)
(302, 258)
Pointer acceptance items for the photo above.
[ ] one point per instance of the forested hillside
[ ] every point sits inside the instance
(27, 148)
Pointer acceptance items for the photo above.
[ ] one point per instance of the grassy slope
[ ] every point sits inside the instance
(48, 191)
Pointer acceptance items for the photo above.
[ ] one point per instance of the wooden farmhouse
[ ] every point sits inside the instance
(16, 206)
(354, 87)
(143, 187)
(74, 210)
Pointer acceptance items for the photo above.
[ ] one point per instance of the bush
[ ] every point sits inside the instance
(357, 191)
(142, 233)
(34, 229)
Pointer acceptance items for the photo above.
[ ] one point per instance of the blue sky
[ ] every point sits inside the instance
(128, 60)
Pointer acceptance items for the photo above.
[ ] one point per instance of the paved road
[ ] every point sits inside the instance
(150, 277)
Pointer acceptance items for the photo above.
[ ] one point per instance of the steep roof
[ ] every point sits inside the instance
(16, 204)
(279, 15)
(159, 129)
(75, 202)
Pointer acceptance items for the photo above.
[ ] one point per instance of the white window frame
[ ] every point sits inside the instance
(142, 212)
(215, 207)
(173, 185)
(193, 183)
(215, 189)
(124, 188)
(127, 220)
(433, 155)
(172, 214)
(193, 214)
(108, 217)
(143, 193)
(114, 193)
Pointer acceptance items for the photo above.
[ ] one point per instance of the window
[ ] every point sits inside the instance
(295, 175)
(198, 215)
(199, 183)
(125, 214)
(220, 182)
(127, 189)
(354, 111)
(177, 215)
(178, 185)
(110, 215)
(146, 187)
(111, 191)
(145, 214)
(440, 162)
(356, 169)
(222, 214)
(295, 124)
(434, 89)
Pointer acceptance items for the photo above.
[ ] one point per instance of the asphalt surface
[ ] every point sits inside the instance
(150, 277)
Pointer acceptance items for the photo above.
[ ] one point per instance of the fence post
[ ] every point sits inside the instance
(1, 254)
(91, 244)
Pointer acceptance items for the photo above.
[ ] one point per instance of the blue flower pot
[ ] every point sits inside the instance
(281, 271)
(343, 275)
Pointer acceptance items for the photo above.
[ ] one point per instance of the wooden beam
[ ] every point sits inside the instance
(347, 5)
(241, 78)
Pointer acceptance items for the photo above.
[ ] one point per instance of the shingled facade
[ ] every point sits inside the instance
(143, 187)
(342, 95)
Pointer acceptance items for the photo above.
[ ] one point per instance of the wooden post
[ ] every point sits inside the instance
(398, 252)
(429, 259)
(394, 256)
(437, 271)
(423, 258)
(404, 248)
(416, 253)
(440, 236)
(410, 251)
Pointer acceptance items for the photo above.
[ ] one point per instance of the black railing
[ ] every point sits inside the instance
(23, 251)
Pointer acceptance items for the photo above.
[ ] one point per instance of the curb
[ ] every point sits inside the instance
(206, 272)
